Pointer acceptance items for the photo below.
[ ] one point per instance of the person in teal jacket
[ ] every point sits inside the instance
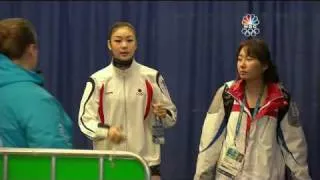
(30, 117)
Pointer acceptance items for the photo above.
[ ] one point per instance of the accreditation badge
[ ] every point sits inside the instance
(231, 162)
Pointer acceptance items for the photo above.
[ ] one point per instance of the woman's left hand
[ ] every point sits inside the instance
(159, 110)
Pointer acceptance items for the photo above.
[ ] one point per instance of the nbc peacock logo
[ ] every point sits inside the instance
(250, 23)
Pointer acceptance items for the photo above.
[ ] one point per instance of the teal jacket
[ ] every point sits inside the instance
(30, 117)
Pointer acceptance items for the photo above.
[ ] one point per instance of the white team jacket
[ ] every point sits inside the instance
(124, 98)
(264, 158)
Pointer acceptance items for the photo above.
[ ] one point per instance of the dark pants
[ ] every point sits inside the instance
(155, 170)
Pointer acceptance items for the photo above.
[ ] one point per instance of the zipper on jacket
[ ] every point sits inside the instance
(266, 105)
(245, 107)
(125, 109)
(241, 104)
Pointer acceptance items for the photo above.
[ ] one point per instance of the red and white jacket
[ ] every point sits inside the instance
(124, 98)
(264, 157)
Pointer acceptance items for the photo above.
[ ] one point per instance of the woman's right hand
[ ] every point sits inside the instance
(115, 135)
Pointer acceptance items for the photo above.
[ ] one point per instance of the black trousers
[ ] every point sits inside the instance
(155, 170)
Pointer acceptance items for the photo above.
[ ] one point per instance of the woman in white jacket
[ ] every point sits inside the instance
(252, 143)
(121, 101)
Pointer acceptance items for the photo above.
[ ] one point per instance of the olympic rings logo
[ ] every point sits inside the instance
(250, 23)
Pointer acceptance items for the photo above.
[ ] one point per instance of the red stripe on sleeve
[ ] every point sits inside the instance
(149, 98)
(100, 110)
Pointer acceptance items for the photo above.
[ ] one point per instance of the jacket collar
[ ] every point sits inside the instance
(237, 90)
(125, 72)
(13, 73)
(275, 98)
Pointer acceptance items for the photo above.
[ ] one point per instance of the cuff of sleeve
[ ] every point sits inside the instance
(168, 120)
(169, 113)
(102, 131)
(103, 126)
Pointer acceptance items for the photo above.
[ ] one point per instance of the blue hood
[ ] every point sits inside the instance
(12, 73)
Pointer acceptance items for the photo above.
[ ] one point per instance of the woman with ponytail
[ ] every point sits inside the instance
(260, 135)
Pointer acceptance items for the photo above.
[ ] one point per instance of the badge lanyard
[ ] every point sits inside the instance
(241, 112)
